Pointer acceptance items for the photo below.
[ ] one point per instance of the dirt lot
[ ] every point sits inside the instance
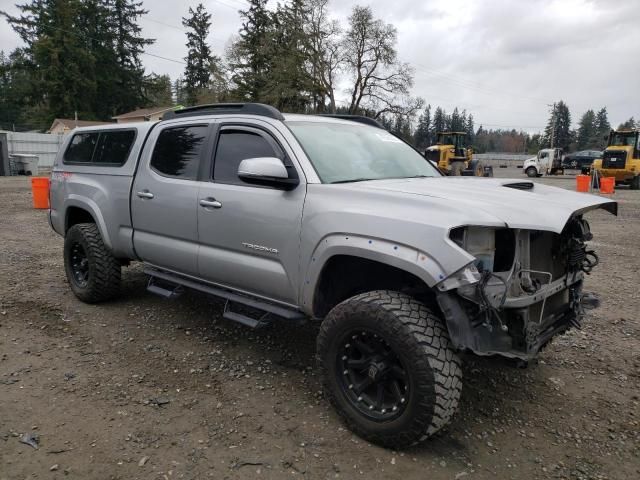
(153, 389)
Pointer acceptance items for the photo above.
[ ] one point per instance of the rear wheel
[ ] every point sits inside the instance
(388, 368)
(531, 172)
(635, 183)
(456, 168)
(93, 272)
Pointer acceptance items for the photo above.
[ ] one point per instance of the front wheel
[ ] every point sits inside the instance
(93, 272)
(388, 368)
(635, 183)
(456, 168)
(531, 172)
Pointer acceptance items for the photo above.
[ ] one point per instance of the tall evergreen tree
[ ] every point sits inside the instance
(558, 131)
(197, 73)
(289, 85)
(469, 128)
(81, 56)
(587, 128)
(422, 135)
(14, 92)
(603, 127)
(157, 91)
(629, 124)
(129, 44)
(455, 121)
(61, 66)
(249, 57)
(439, 121)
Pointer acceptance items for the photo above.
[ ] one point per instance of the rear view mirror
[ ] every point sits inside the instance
(268, 171)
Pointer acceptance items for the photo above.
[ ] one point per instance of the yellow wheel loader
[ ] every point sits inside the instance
(621, 158)
(451, 155)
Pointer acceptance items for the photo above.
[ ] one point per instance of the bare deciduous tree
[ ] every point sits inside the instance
(380, 82)
(325, 55)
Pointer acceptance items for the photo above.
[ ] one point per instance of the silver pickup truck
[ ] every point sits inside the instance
(334, 219)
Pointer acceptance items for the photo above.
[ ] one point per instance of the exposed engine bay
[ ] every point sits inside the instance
(524, 287)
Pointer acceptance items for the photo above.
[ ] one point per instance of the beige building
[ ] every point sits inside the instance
(64, 125)
(143, 115)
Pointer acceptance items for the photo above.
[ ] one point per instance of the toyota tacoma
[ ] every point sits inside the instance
(334, 219)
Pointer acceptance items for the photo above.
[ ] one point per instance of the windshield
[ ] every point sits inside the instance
(626, 139)
(347, 153)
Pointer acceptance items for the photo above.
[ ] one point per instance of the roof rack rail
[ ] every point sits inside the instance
(226, 108)
(356, 118)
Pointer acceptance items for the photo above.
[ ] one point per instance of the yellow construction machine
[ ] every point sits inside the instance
(621, 158)
(452, 156)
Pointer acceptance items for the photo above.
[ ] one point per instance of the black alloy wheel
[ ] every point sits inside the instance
(79, 265)
(372, 376)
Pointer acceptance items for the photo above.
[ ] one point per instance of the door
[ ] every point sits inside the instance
(250, 235)
(543, 162)
(164, 200)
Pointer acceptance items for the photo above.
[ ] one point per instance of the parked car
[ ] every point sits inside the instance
(337, 220)
(582, 159)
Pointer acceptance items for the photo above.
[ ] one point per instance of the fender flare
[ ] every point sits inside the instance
(92, 207)
(400, 256)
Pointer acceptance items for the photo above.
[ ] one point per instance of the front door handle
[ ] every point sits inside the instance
(145, 194)
(210, 202)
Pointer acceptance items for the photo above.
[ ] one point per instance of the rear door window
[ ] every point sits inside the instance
(81, 147)
(178, 151)
(113, 147)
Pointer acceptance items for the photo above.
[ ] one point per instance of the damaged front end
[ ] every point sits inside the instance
(524, 287)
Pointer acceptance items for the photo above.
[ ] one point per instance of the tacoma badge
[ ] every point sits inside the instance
(260, 248)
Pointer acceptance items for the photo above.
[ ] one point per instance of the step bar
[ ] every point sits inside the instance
(231, 297)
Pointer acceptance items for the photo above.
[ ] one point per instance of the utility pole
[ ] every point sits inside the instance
(553, 123)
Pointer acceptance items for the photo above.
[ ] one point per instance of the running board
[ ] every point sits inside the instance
(229, 314)
(179, 281)
(164, 289)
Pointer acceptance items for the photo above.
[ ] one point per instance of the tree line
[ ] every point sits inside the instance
(83, 57)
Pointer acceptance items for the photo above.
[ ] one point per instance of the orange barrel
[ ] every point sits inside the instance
(583, 182)
(40, 191)
(607, 184)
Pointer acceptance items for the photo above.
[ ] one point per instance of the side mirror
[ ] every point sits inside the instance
(269, 171)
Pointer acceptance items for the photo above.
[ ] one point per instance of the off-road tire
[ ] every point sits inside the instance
(456, 168)
(531, 172)
(104, 269)
(635, 183)
(420, 340)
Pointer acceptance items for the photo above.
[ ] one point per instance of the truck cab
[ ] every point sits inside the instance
(547, 162)
(621, 158)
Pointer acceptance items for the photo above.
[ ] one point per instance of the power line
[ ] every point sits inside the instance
(181, 29)
(476, 87)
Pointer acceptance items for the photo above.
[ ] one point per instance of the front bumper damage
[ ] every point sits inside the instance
(523, 325)
(516, 310)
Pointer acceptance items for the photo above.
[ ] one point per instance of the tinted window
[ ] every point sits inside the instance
(177, 151)
(235, 146)
(80, 149)
(113, 147)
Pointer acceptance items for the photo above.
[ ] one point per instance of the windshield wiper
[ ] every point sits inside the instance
(355, 180)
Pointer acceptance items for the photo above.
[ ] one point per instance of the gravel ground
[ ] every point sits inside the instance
(148, 388)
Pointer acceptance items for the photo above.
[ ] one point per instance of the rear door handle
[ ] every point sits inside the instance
(210, 202)
(145, 194)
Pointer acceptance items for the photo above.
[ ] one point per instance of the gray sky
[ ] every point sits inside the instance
(502, 60)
